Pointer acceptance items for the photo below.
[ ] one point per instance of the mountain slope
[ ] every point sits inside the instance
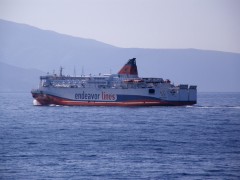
(29, 47)
(26, 46)
(15, 79)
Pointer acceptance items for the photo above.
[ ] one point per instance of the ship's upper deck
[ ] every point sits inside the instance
(127, 77)
(105, 81)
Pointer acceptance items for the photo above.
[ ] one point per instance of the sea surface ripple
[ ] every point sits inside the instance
(61, 142)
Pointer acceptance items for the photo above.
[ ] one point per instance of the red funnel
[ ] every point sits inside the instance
(130, 68)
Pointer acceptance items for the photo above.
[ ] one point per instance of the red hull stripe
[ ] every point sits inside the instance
(48, 99)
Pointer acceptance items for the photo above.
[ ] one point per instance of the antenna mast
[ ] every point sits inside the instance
(74, 72)
(82, 71)
(61, 70)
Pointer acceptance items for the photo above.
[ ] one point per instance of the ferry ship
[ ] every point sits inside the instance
(125, 88)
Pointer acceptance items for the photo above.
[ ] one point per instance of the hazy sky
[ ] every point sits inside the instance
(202, 24)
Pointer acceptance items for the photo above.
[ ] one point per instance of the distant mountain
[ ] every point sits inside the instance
(29, 47)
(15, 79)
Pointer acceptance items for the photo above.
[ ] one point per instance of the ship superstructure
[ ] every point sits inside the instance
(125, 88)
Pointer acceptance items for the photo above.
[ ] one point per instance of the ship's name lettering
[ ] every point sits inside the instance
(87, 96)
(94, 96)
(109, 97)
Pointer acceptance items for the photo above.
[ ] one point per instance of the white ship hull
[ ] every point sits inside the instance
(114, 97)
(122, 89)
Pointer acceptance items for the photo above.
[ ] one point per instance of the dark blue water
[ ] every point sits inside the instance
(199, 142)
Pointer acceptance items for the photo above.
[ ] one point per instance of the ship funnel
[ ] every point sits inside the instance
(130, 68)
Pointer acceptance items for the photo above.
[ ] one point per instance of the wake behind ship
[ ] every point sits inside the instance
(125, 88)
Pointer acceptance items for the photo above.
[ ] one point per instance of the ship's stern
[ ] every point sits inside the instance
(192, 94)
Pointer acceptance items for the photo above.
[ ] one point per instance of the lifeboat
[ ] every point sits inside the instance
(138, 80)
(128, 81)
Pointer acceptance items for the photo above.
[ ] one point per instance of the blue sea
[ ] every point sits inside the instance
(61, 142)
